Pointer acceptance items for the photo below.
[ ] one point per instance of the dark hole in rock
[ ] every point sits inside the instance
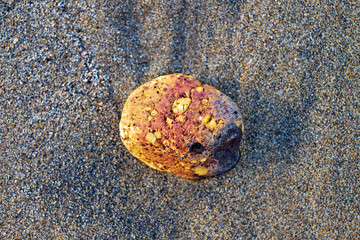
(232, 136)
(196, 147)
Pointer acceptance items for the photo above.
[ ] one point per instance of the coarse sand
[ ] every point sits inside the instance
(67, 68)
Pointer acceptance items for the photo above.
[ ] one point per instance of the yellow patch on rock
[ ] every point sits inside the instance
(206, 119)
(169, 121)
(201, 170)
(180, 105)
(238, 123)
(154, 113)
(212, 124)
(151, 138)
(157, 135)
(204, 101)
(180, 118)
(209, 122)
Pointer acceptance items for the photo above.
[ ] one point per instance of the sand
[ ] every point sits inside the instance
(67, 68)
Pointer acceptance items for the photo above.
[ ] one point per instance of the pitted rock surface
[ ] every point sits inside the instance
(174, 123)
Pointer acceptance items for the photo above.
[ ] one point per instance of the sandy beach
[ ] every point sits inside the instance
(67, 68)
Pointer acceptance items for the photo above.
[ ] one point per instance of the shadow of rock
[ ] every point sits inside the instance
(275, 120)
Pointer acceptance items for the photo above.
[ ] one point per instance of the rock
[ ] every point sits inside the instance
(174, 123)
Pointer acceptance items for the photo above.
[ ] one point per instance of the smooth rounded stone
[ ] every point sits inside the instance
(174, 123)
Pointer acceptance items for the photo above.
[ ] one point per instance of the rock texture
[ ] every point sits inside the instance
(174, 123)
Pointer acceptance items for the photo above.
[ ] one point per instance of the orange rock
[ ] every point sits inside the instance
(174, 123)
